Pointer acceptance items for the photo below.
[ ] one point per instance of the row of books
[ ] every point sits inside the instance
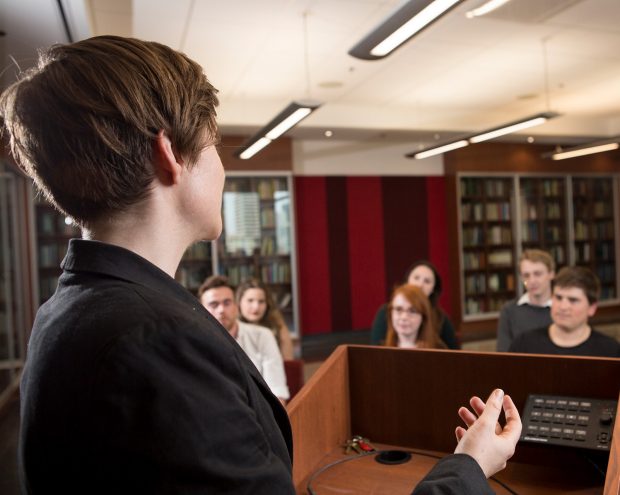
(497, 281)
(193, 277)
(598, 187)
(600, 230)
(548, 187)
(484, 305)
(278, 272)
(606, 273)
(471, 212)
(497, 211)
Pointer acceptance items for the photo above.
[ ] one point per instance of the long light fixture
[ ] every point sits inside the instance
(408, 20)
(461, 142)
(586, 149)
(292, 115)
(437, 150)
(517, 125)
(485, 8)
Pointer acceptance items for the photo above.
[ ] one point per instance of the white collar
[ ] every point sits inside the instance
(525, 299)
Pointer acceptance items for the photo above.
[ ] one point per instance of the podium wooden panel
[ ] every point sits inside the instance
(410, 398)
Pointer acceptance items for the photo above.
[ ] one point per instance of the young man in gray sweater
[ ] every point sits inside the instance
(532, 309)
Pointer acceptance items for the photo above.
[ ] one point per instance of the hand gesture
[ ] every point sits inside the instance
(484, 439)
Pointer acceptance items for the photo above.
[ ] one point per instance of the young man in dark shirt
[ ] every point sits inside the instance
(130, 385)
(574, 301)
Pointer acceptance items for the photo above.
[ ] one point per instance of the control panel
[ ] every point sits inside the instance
(569, 421)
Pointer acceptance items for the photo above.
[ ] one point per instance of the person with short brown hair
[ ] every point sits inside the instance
(576, 290)
(532, 309)
(130, 385)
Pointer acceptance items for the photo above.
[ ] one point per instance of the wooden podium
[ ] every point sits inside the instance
(408, 400)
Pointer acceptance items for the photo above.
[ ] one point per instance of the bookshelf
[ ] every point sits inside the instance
(593, 224)
(257, 238)
(53, 231)
(195, 266)
(572, 217)
(544, 216)
(488, 251)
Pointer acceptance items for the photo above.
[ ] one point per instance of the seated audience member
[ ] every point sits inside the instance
(410, 320)
(256, 305)
(575, 293)
(424, 275)
(179, 408)
(531, 310)
(218, 296)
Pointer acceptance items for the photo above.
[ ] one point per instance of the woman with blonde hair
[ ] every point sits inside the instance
(256, 305)
(411, 320)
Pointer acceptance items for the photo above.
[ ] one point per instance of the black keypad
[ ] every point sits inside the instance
(569, 421)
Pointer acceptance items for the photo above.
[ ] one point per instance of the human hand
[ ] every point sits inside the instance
(484, 439)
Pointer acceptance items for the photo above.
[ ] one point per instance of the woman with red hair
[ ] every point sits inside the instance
(411, 320)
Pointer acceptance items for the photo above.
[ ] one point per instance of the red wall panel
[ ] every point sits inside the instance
(366, 252)
(439, 252)
(315, 299)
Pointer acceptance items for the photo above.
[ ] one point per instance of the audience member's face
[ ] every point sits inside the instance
(422, 276)
(220, 302)
(253, 304)
(536, 277)
(405, 319)
(570, 308)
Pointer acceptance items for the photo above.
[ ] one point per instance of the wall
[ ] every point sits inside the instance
(356, 237)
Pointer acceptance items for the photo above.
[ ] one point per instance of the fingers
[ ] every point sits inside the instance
(493, 406)
(477, 405)
(512, 430)
(460, 433)
(467, 416)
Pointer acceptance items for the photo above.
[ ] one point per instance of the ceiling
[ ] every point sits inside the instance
(458, 76)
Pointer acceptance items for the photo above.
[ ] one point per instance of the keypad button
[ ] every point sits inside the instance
(582, 420)
(550, 403)
(559, 418)
(532, 428)
(585, 406)
(568, 433)
(547, 417)
(561, 404)
(573, 405)
(538, 403)
(555, 432)
(571, 419)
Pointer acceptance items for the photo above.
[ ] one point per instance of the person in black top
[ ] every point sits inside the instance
(130, 385)
(574, 301)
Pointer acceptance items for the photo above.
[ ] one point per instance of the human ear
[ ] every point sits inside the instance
(167, 165)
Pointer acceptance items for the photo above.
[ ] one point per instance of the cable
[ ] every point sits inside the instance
(314, 475)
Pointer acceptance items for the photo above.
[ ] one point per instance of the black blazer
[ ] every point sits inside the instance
(131, 386)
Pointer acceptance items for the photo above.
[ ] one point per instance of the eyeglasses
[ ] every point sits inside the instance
(399, 310)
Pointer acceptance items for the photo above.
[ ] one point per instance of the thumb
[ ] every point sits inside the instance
(493, 407)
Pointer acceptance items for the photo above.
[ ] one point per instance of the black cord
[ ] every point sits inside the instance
(314, 475)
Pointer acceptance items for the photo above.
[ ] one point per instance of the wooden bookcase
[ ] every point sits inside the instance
(543, 209)
(487, 241)
(492, 237)
(594, 226)
(569, 208)
(257, 239)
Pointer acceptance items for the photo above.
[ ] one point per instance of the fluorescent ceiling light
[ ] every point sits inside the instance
(439, 149)
(586, 150)
(513, 127)
(402, 24)
(251, 150)
(485, 8)
(294, 113)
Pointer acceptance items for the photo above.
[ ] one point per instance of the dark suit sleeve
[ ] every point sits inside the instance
(457, 474)
(447, 333)
(176, 412)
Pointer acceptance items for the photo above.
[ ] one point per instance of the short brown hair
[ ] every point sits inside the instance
(215, 282)
(538, 256)
(83, 123)
(581, 277)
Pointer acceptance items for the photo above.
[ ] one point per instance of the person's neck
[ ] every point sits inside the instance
(234, 330)
(407, 342)
(540, 299)
(563, 337)
(154, 236)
